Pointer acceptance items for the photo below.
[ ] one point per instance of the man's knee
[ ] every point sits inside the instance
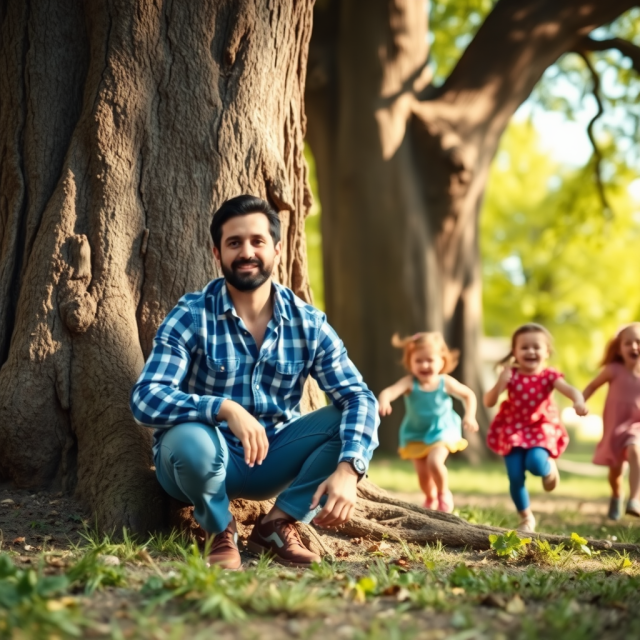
(193, 447)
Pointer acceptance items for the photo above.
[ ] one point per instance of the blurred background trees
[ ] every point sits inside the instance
(560, 217)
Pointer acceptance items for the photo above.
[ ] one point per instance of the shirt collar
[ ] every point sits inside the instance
(280, 307)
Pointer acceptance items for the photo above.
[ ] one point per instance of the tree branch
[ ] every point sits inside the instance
(517, 42)
(626, 48)
(597, 154)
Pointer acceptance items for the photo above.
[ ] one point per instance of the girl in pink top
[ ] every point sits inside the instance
(621, 435)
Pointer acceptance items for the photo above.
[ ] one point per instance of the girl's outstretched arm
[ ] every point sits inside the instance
(573, 394)
(491, 396)
(459, 390)
(597, 382)
(388, 395)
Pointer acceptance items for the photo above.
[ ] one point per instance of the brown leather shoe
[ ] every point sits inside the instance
(281, 539)
(224, 549)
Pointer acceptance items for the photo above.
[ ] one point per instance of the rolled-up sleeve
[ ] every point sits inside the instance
(157, 399)
(342, 382)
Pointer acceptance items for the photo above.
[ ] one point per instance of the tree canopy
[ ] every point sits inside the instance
(551, 256)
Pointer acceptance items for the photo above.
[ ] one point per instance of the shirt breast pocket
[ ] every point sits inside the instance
(289, 369)
(287, 378)
(220, 367)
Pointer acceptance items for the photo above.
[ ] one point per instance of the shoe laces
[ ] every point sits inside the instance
(289, 531)
(224, 540)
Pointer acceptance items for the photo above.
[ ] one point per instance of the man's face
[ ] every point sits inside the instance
(247, 254)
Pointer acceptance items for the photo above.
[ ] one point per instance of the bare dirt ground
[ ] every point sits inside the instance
(31, 521)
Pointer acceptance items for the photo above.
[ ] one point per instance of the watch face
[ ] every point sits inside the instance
(359, 465)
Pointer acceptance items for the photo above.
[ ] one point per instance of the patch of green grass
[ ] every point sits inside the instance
(488, 478)
(493, 516)
(214, 593)
(126, 550)
(173, 544)
(31, 605)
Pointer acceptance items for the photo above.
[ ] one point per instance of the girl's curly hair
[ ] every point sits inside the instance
(433, 339)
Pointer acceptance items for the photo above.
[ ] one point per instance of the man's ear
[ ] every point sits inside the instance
(278, 249)
(216, 255)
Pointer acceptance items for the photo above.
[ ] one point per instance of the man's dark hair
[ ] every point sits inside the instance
(241, 206)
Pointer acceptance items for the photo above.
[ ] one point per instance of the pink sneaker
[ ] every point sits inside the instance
(431, 502)
(445, 502)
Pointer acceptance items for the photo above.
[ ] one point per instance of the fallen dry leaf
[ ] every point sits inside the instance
(402, 595)
(7, 501)
(516, 606)
(402, 563)
(28, 547)
(458, 591)
(494, 600)
(144, 556)
(356, 540)
(54, 562)
(19, 540)
(379, 546)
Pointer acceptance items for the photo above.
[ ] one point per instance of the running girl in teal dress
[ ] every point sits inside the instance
(431, 429)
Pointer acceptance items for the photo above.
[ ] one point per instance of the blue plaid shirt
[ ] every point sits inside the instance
(203, 354)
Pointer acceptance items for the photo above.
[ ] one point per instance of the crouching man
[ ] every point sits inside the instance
(222, 387)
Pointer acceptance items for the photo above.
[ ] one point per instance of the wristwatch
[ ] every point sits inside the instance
(358, 465)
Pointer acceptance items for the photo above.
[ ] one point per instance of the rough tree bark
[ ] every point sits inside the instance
(402, 165)
(123, 125)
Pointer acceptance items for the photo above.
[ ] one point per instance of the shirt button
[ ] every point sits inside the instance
(222, 368)
(257, 387)
(246, 333)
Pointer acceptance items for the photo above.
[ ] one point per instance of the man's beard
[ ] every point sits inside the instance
(247, 281)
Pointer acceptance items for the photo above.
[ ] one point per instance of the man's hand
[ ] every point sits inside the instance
(247, 429)
(340, 489)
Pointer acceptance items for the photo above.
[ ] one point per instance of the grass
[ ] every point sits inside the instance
(162, 589)
(391, 473)
(532, 593)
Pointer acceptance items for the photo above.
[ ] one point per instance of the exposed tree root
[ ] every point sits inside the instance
(379, 515)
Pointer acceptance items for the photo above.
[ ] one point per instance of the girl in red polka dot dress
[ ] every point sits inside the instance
(527, 430)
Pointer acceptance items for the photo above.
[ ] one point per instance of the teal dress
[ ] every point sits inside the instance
(430, 417)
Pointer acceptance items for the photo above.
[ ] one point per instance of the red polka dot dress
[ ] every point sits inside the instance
(528, 417)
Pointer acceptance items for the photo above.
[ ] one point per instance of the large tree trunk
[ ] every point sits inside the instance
(123, 125)
(402, 165)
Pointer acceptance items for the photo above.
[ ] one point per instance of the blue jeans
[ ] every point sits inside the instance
(535, 461)
(196, 464)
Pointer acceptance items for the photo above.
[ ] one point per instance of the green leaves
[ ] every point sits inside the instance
(509, 544)
(580, 544)
(550, 256)
(26, 603)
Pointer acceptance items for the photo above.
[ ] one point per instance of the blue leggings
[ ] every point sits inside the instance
(535, 461)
